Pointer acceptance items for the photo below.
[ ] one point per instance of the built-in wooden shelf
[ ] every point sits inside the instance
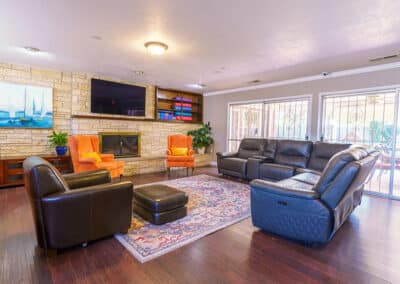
(169, 108)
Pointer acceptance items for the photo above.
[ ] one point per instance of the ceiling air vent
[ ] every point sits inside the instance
(384, 58)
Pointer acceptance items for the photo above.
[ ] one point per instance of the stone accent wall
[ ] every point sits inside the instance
(71, 95)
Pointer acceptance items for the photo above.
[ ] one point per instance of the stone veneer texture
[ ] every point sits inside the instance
(71, 96)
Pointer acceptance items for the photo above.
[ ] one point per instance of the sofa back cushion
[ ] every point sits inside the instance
(270, 148)
(293, 153)
(350, 179)
(338, 162)
(251, 147)
(322, 152)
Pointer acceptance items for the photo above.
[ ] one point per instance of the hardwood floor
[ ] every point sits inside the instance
(365, 250)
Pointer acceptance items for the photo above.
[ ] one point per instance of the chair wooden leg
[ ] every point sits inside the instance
(169, 172)
(192, 170)
(187, 171)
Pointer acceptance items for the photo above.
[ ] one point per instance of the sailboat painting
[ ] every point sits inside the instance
(24, 106)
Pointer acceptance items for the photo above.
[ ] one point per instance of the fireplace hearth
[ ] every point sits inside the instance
(121, 144)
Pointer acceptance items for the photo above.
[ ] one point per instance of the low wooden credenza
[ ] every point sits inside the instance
(12, 173)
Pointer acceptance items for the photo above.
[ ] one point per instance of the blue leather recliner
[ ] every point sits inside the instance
(311, 207)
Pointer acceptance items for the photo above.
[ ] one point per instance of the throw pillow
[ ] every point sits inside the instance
(176, 151)
(92, 155)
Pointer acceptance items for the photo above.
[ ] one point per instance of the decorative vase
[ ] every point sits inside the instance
(61, 150)
(201, 150)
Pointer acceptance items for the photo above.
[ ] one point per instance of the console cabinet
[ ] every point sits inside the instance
(12, 173)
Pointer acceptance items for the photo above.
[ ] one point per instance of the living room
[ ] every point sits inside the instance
(205, 142)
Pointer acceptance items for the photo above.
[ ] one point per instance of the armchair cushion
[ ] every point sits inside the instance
(91, 155)
(179, 151)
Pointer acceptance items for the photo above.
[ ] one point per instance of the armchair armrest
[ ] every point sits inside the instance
(226, 154)
(89, 178)
(275, 188)
(107, 157)
(84, 214)
(168, 152)
(87, 160)
(190, 152)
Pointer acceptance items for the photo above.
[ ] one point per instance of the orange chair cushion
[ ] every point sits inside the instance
(92, 155)
(180, 158)
(179, 151)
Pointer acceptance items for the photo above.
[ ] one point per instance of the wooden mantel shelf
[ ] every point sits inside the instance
(114, 117)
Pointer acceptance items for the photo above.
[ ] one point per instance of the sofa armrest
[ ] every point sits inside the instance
(226, 154)
(264, 159)
(274, 188)
(86, 179)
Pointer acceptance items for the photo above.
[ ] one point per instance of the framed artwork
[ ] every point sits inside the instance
(24, 106)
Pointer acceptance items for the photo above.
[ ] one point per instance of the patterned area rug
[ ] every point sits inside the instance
(214, 203)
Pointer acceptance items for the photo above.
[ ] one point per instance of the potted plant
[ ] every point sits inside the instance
(59, 140)
(201, 138)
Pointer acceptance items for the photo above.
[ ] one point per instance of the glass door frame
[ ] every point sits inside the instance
(308, 97)
(396, 122)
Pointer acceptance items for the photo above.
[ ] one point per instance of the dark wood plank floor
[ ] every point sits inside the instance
(365, 250)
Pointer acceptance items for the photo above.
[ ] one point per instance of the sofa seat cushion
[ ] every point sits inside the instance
(293, 184)
(308, 178)
(234, 164)
(275, 171)
(306, 170)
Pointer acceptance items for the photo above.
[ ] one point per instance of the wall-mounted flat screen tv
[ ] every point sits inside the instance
(116, 98)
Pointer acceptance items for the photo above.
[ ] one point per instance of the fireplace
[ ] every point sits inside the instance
(121, 144)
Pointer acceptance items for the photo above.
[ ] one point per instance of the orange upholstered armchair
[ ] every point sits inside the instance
(180, 152)
(85, 156)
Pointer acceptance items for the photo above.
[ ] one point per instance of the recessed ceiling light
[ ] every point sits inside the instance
(156, 47)
(254, 81)
(31, 49)
(138, 72)
(197, 86)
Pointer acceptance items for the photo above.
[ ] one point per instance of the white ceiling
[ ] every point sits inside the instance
(221, 43)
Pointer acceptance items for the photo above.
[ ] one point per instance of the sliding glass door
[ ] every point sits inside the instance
(288, 118)
(367, 118)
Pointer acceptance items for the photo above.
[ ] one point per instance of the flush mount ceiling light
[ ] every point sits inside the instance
(156, 47)
(31, 49)
(197, 86)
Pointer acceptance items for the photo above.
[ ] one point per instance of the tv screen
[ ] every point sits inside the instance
(116, 98)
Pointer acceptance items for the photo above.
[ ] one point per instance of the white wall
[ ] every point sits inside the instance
(216, 107)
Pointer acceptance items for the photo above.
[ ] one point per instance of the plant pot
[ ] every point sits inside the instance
(61, 150)
(201, 150)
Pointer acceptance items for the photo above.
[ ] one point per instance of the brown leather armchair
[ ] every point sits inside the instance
(77, 208)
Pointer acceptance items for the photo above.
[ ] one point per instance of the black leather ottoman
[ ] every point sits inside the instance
(159, 204)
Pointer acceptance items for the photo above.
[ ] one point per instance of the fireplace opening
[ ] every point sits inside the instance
(121, 144)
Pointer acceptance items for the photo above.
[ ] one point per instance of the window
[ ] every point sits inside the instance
(287, 119)
(245, 121)
(368, 118)
(272, 119)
